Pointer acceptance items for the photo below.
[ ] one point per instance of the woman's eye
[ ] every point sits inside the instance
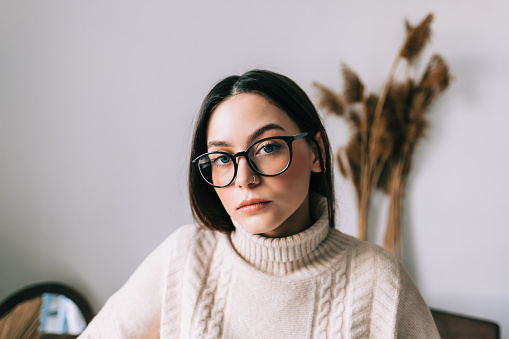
(268, 148)
(222, 160)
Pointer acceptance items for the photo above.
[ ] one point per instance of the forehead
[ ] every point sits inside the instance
(240, 115)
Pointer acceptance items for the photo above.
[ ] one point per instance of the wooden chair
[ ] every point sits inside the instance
(456, 326)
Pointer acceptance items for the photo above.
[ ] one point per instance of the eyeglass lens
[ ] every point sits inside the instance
(267, 157)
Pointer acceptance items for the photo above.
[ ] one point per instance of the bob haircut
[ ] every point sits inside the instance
(207, 209)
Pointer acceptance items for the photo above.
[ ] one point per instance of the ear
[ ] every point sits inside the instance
(318, 151)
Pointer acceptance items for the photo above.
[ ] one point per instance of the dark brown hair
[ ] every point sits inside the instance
(282, 92)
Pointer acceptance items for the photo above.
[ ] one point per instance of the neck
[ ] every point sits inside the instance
(296, 223)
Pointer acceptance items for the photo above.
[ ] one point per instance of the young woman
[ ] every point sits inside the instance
(264, 259)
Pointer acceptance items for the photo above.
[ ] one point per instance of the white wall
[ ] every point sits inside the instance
(97, 100)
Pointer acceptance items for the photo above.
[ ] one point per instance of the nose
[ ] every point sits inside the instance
(245, 173)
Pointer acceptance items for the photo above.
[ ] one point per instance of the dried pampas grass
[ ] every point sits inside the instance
(417, 37)
(385, 129)
(329, 101)
(353, 88)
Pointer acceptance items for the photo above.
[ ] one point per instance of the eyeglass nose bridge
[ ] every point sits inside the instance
(244, 154)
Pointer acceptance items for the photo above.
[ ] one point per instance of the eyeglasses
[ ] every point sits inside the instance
(267, 157)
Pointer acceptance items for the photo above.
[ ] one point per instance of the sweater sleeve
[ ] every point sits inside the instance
(134, 311)
(414, 318)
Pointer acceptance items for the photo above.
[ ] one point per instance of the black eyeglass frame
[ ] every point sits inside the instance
(288, 139)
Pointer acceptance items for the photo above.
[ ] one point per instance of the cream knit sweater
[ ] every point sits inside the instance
(319, 283)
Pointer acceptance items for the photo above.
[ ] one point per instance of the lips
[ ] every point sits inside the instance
(252, 205)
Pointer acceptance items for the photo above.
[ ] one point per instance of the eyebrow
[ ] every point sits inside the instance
(250, 138)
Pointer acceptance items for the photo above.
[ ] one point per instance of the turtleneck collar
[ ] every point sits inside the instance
(283, 255)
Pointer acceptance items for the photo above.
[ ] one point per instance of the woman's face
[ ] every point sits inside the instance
(272, 206)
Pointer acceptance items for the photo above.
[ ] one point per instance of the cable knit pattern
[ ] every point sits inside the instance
(210, 309)
(324, 306)
(319, 283)
(216, 321)
(338, 305)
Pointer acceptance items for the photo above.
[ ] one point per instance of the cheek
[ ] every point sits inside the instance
(299, 171)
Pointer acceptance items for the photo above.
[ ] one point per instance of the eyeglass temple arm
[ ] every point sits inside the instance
(301, 135)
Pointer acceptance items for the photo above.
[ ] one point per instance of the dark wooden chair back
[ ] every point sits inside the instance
(456, 326)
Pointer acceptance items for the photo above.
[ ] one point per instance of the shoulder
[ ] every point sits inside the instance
(365, 251)
(381, 284)
(188, 237)
(188, 233)
(368, 260)
(375, 286)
